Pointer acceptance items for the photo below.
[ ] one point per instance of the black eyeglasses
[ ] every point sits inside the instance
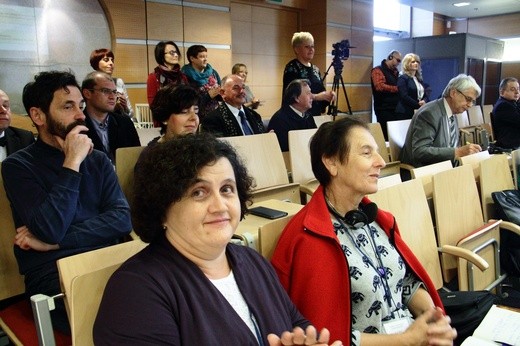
(172, 52)
(468, 99)
(398, 60)
(105, 91)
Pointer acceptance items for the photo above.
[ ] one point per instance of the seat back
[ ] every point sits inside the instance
(473, 160)
(269, 234)
(425, 173)
(126, 159)
(457, 210)
(299, 151)
(397, 131)
(475, 115)
(407, 202)
(23, 122)
(12, 283)
(462, 119)
(83, 279)
(486, 113)
(389, 180)
(515, 164)
(143, 115)
(263, 158)
(321, 119)
(377, 132)
(495, 175)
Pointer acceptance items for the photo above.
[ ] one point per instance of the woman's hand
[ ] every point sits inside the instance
(27, 241)
(431, 328)
(301, 337)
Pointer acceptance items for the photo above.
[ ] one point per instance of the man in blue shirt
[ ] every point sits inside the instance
(64, 195)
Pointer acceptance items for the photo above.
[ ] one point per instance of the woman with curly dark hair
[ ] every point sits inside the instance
(191, 286)
(176, 109)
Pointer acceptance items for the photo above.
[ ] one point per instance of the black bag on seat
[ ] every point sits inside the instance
(507, 206)
(466, 310)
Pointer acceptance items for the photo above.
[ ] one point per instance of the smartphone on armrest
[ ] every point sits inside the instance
(267, 212)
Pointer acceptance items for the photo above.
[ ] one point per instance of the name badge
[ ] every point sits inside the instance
(397, 326)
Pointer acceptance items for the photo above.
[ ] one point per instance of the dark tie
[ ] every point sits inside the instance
(3, 141)
(245, 125)
(454, 138)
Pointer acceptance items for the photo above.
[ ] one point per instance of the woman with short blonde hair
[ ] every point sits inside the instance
(410, 86)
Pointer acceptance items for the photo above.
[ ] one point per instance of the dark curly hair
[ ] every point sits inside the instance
(331, 140)
(167, 170)
(40, 92)
(172, 99)
(98, 54)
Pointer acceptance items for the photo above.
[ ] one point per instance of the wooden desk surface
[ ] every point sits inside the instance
(251, 223)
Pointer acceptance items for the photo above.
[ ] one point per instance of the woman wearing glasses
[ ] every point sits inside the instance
(103, 60)
(410, 86)
(167, 71)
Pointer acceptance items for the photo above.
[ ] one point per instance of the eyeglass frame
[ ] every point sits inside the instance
(106, 91)
(172, 52)
(468, 99)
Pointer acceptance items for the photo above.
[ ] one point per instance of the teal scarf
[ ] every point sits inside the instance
(200, 78)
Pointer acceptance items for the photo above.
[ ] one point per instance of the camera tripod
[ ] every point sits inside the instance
(338, 68)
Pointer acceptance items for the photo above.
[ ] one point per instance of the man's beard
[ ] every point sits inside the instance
(58, 129)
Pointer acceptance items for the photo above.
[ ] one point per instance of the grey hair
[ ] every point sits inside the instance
(301, 37)
(461, 82)
(505, 81)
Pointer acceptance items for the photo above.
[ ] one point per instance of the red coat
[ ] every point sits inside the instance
(313, 269)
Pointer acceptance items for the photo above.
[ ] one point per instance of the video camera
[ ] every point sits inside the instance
(341, 49)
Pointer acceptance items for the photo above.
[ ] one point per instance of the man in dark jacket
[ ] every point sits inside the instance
(231, 118)
(506, 115)
(107, 130)
(297, 100)
(11, 138)
(384, 89)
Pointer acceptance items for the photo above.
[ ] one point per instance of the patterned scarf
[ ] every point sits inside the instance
(200, 78)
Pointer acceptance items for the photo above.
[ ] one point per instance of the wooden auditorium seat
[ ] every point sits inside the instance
(459, 221)
(301, 169)
(392, 166)
(263, 158)
(16, 319)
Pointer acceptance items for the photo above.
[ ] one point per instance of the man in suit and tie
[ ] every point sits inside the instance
(11, 138)
(506, 115)
(296, 101)
(107, 130)
(231, 118)
(433, 135)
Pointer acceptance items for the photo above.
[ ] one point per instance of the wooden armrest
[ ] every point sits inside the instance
(407, 167)
(479, 231)
(468, 255)
(309, 187)
(512, 227)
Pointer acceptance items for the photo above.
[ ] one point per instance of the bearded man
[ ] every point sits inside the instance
(64, 195)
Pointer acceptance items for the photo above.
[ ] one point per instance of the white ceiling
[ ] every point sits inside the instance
(477, 8)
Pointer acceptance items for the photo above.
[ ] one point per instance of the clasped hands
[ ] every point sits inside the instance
(300, 337)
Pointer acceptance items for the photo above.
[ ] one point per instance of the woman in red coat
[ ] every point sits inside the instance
(343, 261)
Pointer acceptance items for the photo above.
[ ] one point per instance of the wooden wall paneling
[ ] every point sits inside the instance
(511, 69)
(363, 41)
(315, 13)
(271, 97)
(164, 21)
(220, 60)
(130, 63)
(137, 95)
(242, 38)
(439, 25)
(495, 26)
(459, 26)
(362, 14)
(127, 18)
(207, 26)
(224, 3)
(339, 11)
(359, 69)
(359, 96)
